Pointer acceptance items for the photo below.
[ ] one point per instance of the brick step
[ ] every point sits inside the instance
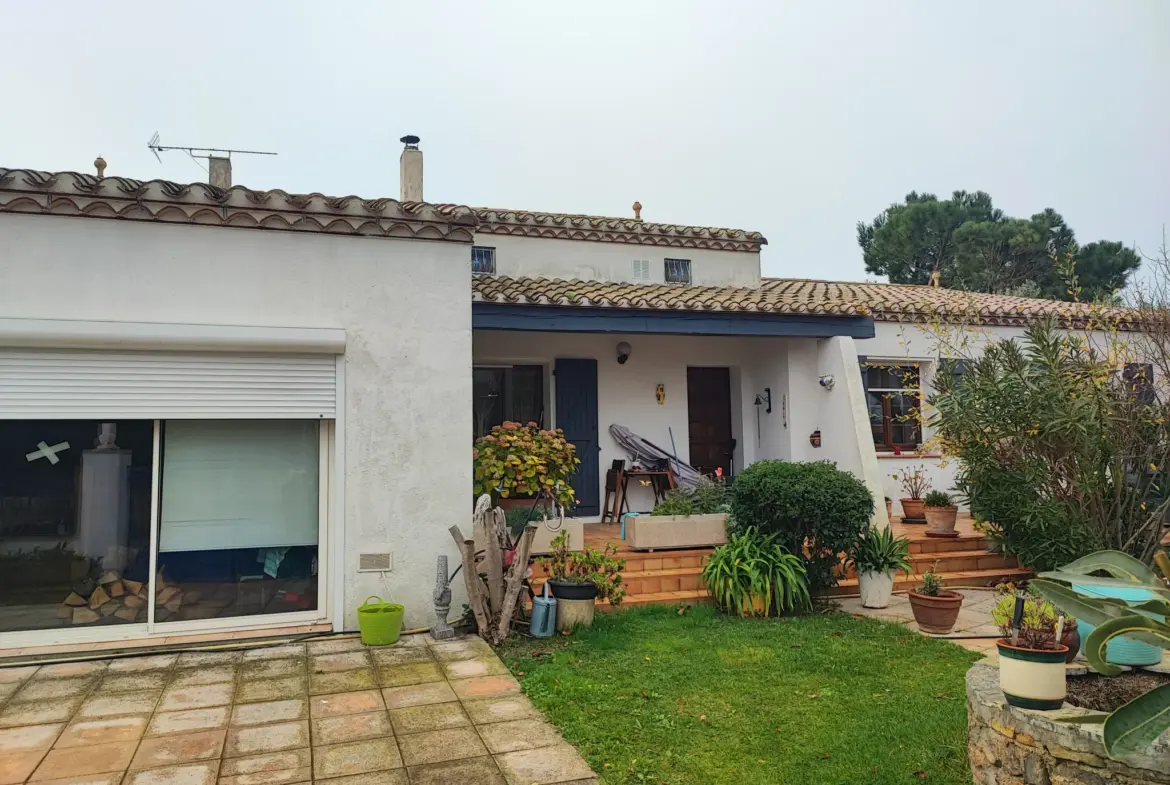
(692, 597)
(644, 561)
(640, 582)
(954, 561)
(904, 582)
(970, 542)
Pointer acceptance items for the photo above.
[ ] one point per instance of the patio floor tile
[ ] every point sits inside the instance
(38, 713)
(437, 746)
(340, 703)
(109, 730)
(555, 764)
(65, 670)
(518, 735)
(29, 738)
(274, 777)
(409, 673)
(174, 749)
(467, 649)
(335, 645)
(434, 716)
(344, 681)
(339, 760)
(397, 656)
(98, 759)
(188, 720)
(201, 697)
(100, 706)
(270, 761)
(211, 674)
(271, 669)
(203, 659)
(271, 690)
(109, 778)
(341, 661)
(138, 664)
(15, 767)
(7, 689)
(51, 689)
(418, 695)
(11, 675)
(132, 682)
(469, 669)
(271, 711)
(486, 687)
(281, 652)
(190, 774)
(351, 727)
(388, 777)
(267, 738)
(516, 707)
(471, 771)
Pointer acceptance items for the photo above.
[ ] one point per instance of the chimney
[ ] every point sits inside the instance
(219, 171)
(410, 171)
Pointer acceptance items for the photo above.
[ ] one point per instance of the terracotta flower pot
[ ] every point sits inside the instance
(1032, 678)
(911, 508)
(936, 615)
(940, 521)
(1071, 637)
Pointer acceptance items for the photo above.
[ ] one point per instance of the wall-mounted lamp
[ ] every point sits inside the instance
(827, 381)
(623, 352)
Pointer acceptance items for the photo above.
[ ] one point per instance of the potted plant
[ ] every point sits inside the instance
(914, 484)
(752, 575)
(941, 513)
(935, 608)
(578, 578)
(684, 519)
(518, 461)
(1031, 668)
(876, 557)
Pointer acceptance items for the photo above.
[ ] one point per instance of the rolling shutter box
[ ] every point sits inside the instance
(101, 384)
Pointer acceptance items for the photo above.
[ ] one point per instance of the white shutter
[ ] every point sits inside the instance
(88, 385)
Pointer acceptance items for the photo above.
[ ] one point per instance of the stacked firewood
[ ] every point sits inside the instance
(122, 598)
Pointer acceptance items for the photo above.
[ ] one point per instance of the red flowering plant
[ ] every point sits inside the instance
(517, 460)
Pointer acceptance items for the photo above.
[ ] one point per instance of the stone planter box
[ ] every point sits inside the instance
(542, 541)
(1009, 745)
(660, 532)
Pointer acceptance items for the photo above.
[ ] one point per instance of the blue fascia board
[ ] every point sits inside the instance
(563, 319)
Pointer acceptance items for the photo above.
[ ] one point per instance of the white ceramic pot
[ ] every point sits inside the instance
(876, 588)
(1032, 678)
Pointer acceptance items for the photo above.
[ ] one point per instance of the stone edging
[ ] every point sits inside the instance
(1009, 745)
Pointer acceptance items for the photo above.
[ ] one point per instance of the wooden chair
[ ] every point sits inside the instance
(613, 483)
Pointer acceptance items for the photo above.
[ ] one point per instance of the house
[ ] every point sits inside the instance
(225, 410)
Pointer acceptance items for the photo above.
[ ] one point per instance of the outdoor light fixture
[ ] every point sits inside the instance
(623, 352)
(827, 381)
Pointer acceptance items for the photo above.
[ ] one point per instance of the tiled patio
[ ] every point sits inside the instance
(973, 629)
(419, 713)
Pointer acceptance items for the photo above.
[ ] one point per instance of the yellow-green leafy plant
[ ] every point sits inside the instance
(517, 460)
(1136, 725)
(601, 568)
(1037, 628)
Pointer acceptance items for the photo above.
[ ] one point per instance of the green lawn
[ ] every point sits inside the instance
(653, 697)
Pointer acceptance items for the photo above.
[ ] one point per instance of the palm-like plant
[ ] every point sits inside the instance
(753, 574)
(1137, 724)
(878, 550)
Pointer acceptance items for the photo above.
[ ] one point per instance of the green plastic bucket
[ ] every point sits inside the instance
(380, 622)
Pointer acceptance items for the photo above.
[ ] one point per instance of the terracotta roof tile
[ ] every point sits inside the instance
(884, 302)
(71, 193)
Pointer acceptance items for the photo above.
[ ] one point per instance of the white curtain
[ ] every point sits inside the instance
(238, 484)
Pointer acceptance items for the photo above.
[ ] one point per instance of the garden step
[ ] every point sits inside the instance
(960, 561)
(639, 582)
(692, 597)
(973, 578)
(970, 542)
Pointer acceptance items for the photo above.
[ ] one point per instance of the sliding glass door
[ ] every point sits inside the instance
(149, 525)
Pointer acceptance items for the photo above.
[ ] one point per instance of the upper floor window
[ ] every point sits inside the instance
(483, 260)
(678, 271)
(1139, 378)
(640, 270)
(892, 394)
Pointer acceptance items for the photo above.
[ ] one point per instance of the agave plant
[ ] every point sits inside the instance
(1137, 724)
(753, 574)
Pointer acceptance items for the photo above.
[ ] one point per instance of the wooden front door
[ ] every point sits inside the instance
(576, 384)
(709, 414)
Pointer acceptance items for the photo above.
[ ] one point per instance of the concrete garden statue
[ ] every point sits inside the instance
(1137, 610)
(876, 558)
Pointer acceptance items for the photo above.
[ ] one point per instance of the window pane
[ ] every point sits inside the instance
(528, 394)
(904, 419)
(238, 518)
(487, 399)
(876, 418)
(74, 522)
(892, 377)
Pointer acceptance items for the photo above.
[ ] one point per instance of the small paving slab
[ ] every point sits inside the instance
(343, 681)
(433, 716)
(470, 771)
(543, 766)
(360, 757)
(351, 727)
(437, 746)
(272, 689)
(340, 703)
(406, 673)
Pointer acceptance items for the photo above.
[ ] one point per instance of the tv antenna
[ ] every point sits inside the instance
(196, 152)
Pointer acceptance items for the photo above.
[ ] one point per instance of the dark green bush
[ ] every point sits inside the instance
(814, 509)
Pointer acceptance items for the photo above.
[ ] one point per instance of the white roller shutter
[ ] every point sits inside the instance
(50, 384)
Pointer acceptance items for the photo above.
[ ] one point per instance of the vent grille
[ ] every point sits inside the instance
(640, 270)
(375, 562)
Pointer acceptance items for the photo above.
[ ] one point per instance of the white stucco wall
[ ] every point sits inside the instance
(405, 307)
(603, 261)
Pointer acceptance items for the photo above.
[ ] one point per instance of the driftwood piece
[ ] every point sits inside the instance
(492, 523)
(84, 616)
(516, 575)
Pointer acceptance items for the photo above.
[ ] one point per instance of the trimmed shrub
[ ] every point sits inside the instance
(814, 509)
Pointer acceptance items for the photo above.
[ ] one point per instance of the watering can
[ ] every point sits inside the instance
(544, 615)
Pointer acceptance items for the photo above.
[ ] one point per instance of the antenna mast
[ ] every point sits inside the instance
(194, 152)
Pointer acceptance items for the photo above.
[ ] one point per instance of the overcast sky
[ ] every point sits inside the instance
(797, 119)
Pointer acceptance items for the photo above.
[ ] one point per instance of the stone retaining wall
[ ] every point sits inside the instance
(1009, 746)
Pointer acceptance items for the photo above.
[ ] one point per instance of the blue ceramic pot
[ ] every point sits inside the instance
(1121, 650)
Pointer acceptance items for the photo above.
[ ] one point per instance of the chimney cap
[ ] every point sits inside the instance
(99, 163)
(411, 141)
